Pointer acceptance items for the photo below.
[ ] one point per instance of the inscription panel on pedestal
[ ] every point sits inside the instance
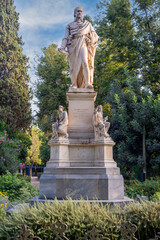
(80, 114)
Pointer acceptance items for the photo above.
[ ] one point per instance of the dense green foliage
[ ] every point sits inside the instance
(17, 188)
(33, 154)
(135, 117)
(129, 34)
(9, 154)
(14, 91)
(81, 217)
(149, 188)
(146, 16)
(3, 205)
(45, 149)
(52, 85)
(13, 148)
(117, 48)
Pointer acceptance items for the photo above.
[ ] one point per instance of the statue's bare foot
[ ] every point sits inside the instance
(74, 86)
(90, 86)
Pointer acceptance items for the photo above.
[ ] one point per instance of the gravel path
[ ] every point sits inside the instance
(35, 181)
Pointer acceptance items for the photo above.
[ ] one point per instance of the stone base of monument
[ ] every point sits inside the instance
(82, 165)
(81, 169)
(120, 202)
(87, 183)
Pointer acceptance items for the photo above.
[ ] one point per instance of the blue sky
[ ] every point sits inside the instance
(43, 22)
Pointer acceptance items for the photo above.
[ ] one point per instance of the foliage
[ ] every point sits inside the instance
(3, 205)
(88, 18)
(45, 149)
(9, 153)
(133, 110)
(21, 137)
(156, 196)
(34, 151)
(14, 91)
(129, 34)
(80, 217)
(17, 188)
(147, 188)
(146, 16)
(25, 144)
(117, 47)
(51, 92)
(52, 85)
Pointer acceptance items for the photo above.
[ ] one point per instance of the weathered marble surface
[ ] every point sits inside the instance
(60, 126)
(101, 126)
(80, 153)
(77, 185)
(79, 44)
(82, 168)
(81, 107)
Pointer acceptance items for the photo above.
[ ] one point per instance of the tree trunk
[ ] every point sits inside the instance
(144, 151)
(31, 168)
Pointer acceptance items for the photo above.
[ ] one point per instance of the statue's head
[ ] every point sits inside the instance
(61, 108)
(78, 12)
(99, 108)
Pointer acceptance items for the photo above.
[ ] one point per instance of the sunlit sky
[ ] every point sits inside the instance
(43, 22)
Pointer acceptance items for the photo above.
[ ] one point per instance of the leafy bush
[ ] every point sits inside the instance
(156, 196)
(148, 188)
(3, 205)
(20, 138)
(17, 188)
(9, 154)
(81, 217)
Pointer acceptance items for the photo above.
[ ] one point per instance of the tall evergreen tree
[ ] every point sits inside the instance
(14, 91)
(135, 128)
(117, 49)
(53, 83)
(146, 15)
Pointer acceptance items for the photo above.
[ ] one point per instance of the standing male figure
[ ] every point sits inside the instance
(81, 41)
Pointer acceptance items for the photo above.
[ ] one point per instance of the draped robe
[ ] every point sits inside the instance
(75, 41)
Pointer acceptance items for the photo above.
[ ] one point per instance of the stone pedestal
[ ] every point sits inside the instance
(80, 165)
(81, 108)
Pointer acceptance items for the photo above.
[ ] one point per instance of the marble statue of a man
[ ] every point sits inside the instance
(60, 127)
(79, 44)
(101, 126)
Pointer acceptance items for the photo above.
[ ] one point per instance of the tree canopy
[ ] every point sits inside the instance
(52, 85)
(14, 90)
(127, 79)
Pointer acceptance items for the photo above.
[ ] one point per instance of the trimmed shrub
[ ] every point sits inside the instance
(81, 217)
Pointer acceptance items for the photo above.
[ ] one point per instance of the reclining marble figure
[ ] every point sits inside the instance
(80, 41)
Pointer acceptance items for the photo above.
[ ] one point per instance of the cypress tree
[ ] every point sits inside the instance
(14, 90)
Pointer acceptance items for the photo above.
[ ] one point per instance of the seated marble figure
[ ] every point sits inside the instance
(60, 126)
(101, 126)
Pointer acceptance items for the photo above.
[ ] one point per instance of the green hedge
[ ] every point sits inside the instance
(81, 217)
